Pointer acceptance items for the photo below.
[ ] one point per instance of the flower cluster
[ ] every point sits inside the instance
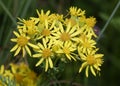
(21, 73)
(51, 36)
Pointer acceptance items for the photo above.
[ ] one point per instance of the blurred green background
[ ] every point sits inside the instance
(109, 43)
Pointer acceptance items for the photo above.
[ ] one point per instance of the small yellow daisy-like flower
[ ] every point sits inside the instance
(86, 43)
(44, 16)
(91, 60)
(91, 22)
(68, 48)
(22, 43)
(76, 12)
(47, 30)
(66, 34)
(45, 53)
(23, 75)
(88, 27)
(28, 26)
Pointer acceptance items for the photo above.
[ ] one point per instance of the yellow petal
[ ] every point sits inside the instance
(14, 40)
(68, 56)
(75, 34)
(48, 12)
(72, 30)
(14, 48)
(82, 66)
(37, 55)
(33, 46)
(40, 61)
(50, 62)
(46, 24)
(96, 67)
(68, 27)
(73, 57)
(2, 69)
(16, 34)
(17, 51)
(86, 71)
(92, 70)
(41, 46)
(28, 50)
(44, 43)
(46, 65)
(23, 51)
(61, 28)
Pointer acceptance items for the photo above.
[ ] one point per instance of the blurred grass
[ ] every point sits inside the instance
(109, 43)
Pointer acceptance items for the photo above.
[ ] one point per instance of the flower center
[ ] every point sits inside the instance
(46, 32)
(90, 60)
(91, 22)
(22, 41)
(18, 77)
(46, 53)
(65, 36)
(66, 50)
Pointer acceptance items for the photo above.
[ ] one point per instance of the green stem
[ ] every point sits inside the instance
(108, 21)
(85, 81)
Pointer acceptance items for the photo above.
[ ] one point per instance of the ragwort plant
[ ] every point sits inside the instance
(52, 37)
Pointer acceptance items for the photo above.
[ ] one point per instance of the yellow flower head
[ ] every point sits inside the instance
(68, 49)
(22, 43)
(47, 30)
(23, 75)
(66, 33)
(44, 16)
(86, 43)
(45, 53)
(28, 26)
(91, 61)
(74, 11)
(91, 22)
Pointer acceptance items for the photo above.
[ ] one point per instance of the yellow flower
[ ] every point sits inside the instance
(86, 43)
(68, 48)
(43, 16)
(47, 30)
(87, 29)
(91, 61)
(67, 33)
(91, 22)
(28, 26)
(74, 11)
(22, 42)
(23, 75)
(45, 53)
